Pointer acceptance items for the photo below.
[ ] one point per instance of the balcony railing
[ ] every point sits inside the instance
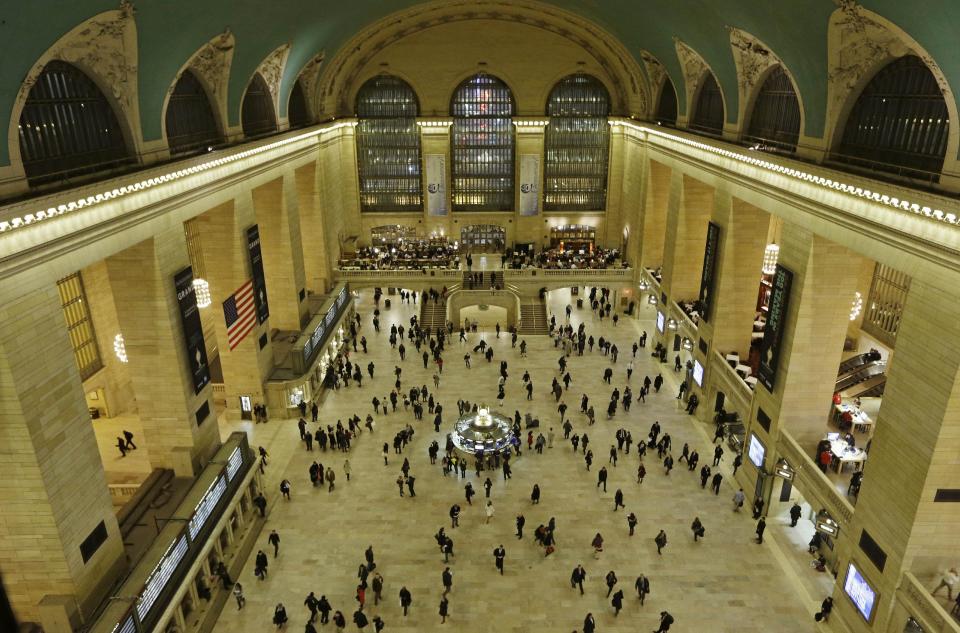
(924, 608)
(812, 481)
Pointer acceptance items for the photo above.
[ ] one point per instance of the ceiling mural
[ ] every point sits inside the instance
(170, 32)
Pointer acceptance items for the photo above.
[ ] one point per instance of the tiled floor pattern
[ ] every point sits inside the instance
(725, 583)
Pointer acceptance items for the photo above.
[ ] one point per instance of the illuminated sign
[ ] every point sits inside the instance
(160, 575)
(860, 592)
(207, 505)
(756, 451)
(697, 373)
(660, 320)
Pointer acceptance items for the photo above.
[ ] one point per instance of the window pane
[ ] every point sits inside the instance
(482, 139)
(73, 299)
(708, 114)
(577, 145)
(257, 113)
(189, 118)
(667, 105)
(775, 122)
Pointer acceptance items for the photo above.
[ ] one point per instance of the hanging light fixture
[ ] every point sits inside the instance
(770, 256)
(856, 307)
(202, 291)
(120, 348)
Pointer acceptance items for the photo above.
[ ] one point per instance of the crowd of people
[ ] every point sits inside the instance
(555, 258)
(409, 400)
(416, 255)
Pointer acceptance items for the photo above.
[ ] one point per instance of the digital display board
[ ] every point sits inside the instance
(660, 321)
(860, 592)
(207, 505)
(697, 373)
(161, 576)
(756, 451)
(320, 333)
(234, 463)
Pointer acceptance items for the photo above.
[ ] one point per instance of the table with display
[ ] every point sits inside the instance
(843, 455)
(861, 421)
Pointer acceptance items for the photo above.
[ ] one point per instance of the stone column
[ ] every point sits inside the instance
(224, 241)
(530, 140)
(319, 253)
(689, 210)
(149, 316)
(52, 487)
(656, 201)
(626, 182)
(815, 324)
(913, 454)
(278, 219)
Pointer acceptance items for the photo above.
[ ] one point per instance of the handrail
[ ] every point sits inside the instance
(924, 607)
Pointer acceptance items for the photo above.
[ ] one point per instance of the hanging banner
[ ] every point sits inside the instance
(192, 329)
(436, 174)
(256, 271)
(709, 270)
(773, 330)
(529, 184)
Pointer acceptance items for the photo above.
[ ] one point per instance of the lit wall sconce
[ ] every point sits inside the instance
(671, 324)
(686, 344)
(652, 299)
(826, 524)
(784, 470)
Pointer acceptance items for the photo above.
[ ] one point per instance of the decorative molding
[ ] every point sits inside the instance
(752, 58)
(271, 69)
(211, 63)
(309, 78)
(693, 66)
(656, 73)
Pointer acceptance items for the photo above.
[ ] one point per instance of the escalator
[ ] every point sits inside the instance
(861, 375)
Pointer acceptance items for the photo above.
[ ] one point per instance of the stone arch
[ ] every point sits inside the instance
(365, 77)
(460, 299)
(561, 75)
(695, 69)
(104, 48)
(309, 78)
(629, 90)
(271, 69)
(859, 44)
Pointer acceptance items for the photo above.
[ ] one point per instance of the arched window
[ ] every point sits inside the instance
(667, 104)
(67, 127)
(708, 113)
(899, 123)
(189, 119)
(256, 112)
(576, 145)
(482, 145)
(388, 146)
(775, 122)
(298, 114)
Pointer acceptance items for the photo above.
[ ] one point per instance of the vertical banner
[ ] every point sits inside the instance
(529, 184)
(773, 330)
(256, 271)
(436, 173)
(709, 270)
(192, 329)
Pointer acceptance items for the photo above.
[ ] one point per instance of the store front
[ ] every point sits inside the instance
(575, 238)
(491, 238)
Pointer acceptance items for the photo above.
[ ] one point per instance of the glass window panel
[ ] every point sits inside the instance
(899, 124)
(667, 104)
(388, 146)
(775, 123)
(298, 114)
(73, 300)
(482, 145)
(190, 122)
(708, 115)
(67, 127)
(256, 113)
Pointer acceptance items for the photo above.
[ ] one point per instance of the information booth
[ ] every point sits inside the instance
(483, 237)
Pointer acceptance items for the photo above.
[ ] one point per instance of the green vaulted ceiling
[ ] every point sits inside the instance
(170, 31)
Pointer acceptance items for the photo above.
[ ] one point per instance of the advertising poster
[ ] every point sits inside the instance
(529, 184)
(709, 270)
(436, 176)
(773, 331)
(192, 329)
(256, 271)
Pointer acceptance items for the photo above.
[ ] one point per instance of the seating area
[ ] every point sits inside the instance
(415, 255)
(555, 259)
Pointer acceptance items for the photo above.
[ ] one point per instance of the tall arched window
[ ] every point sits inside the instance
(775, 122)
(189, 119)
(298, 114)
(388, 146)
(482, 145)
(899, 123)
(67, 127)
(667, 104)
(708, 113)
(256, 112)
(576, 145)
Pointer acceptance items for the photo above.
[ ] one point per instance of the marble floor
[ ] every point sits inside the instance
(724, 583)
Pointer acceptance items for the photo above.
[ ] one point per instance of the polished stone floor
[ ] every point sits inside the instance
(725, 583)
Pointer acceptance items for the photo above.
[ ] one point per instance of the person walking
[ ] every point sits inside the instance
(632, 522)
(642, 585)
(697, 528)
(346, 468)
(260, 565)
(661, 540)
(238, 594)
(377, 586)
(617, 602)
(499, 554)
(535, 495)
(641, 470)
(487, 486)
(715, 482)
(323, 606)
(618, 500)
(280, 615)
(489, 510)
(795, 512)
(360, 618)
(520, 523)
(602, 478)
(339, 621)
(447, 579)
(589, 624)
(611, 579)
(405, 600)
(738, 500)
(665, 621)
(444, 609)
(577, 577)
(274, 539)
(761, 526)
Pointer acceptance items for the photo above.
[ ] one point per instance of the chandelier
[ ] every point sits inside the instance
(856, 307)
(202, 291)
(120, 348)
(770, 256)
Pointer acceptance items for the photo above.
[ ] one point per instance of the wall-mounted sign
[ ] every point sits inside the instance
(773, 330)
(661, 320)
(756, 451)
(697, 373)
(192, 329)
(256, 272)
(435, 173)
(709, 270)
(529, 184)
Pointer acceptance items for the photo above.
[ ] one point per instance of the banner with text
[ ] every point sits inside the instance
(529, 184)
(256, 271)
(192, 329)
(436, 174)
(773, 330)
(709, 270)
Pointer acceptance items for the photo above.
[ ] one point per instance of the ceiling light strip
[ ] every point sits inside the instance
(107, 195)
(827, 183)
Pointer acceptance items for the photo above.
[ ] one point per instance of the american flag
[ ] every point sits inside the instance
(240, 314)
